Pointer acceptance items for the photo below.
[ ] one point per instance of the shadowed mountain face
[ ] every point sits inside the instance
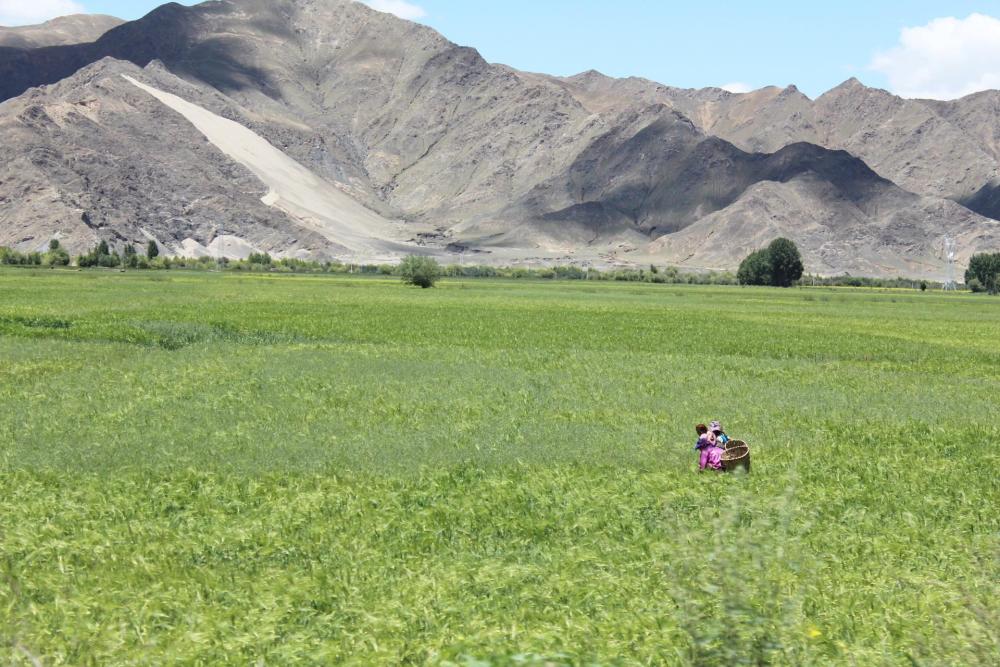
(77, 29)
(666, 175)
(469, 154)
(941, 149)
(985, 202)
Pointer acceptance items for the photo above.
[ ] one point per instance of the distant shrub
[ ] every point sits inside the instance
(56, 255)
(420, 271)
(260, 259)
(569, 272)
(873, 283)
(152, 250)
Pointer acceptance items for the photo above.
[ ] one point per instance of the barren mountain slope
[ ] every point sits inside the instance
(429, 126)
(76, 29)
(96, 157)
(978, 115)
(834, 234)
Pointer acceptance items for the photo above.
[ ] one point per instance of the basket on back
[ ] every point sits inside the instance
(736, 456)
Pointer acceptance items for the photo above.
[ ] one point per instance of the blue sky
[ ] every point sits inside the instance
(948, 49)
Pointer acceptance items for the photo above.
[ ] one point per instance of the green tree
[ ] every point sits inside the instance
(56, 256)
(420, 271)
(786, 263)
(100, 256)
(755, 269)
(778, 265)
(130, 257)
(984, 268)
(152, 250)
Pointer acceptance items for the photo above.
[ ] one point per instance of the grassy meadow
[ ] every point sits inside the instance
(210, 469)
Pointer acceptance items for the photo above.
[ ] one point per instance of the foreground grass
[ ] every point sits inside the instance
(225, 469)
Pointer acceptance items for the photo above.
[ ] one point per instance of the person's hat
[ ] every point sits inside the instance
(715, 426)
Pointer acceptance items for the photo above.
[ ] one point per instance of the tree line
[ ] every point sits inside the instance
(779, 265)
(55, 256)
(102, 255)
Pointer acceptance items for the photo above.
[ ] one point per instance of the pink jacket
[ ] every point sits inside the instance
(711, 453)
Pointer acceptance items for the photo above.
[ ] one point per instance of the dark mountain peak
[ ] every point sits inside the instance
(852, 177)
(804, 152)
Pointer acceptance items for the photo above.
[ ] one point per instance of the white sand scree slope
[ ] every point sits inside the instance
(294, 189)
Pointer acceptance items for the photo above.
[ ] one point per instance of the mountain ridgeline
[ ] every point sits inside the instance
(150, 132)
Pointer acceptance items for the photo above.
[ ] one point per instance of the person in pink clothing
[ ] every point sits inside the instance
(708, 446)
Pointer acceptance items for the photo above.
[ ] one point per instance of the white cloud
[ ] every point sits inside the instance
(29, 12)
(945, 59)
(401, 8)
(737, 87)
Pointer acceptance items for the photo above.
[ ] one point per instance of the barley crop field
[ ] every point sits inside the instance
(213, 469)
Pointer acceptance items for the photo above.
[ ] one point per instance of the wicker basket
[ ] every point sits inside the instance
(736, 456)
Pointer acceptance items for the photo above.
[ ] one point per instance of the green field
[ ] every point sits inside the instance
(246, 469)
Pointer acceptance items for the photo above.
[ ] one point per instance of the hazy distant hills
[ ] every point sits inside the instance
(76, 29)
(450, 153)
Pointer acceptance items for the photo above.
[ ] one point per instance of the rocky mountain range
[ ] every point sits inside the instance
(325, 129)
